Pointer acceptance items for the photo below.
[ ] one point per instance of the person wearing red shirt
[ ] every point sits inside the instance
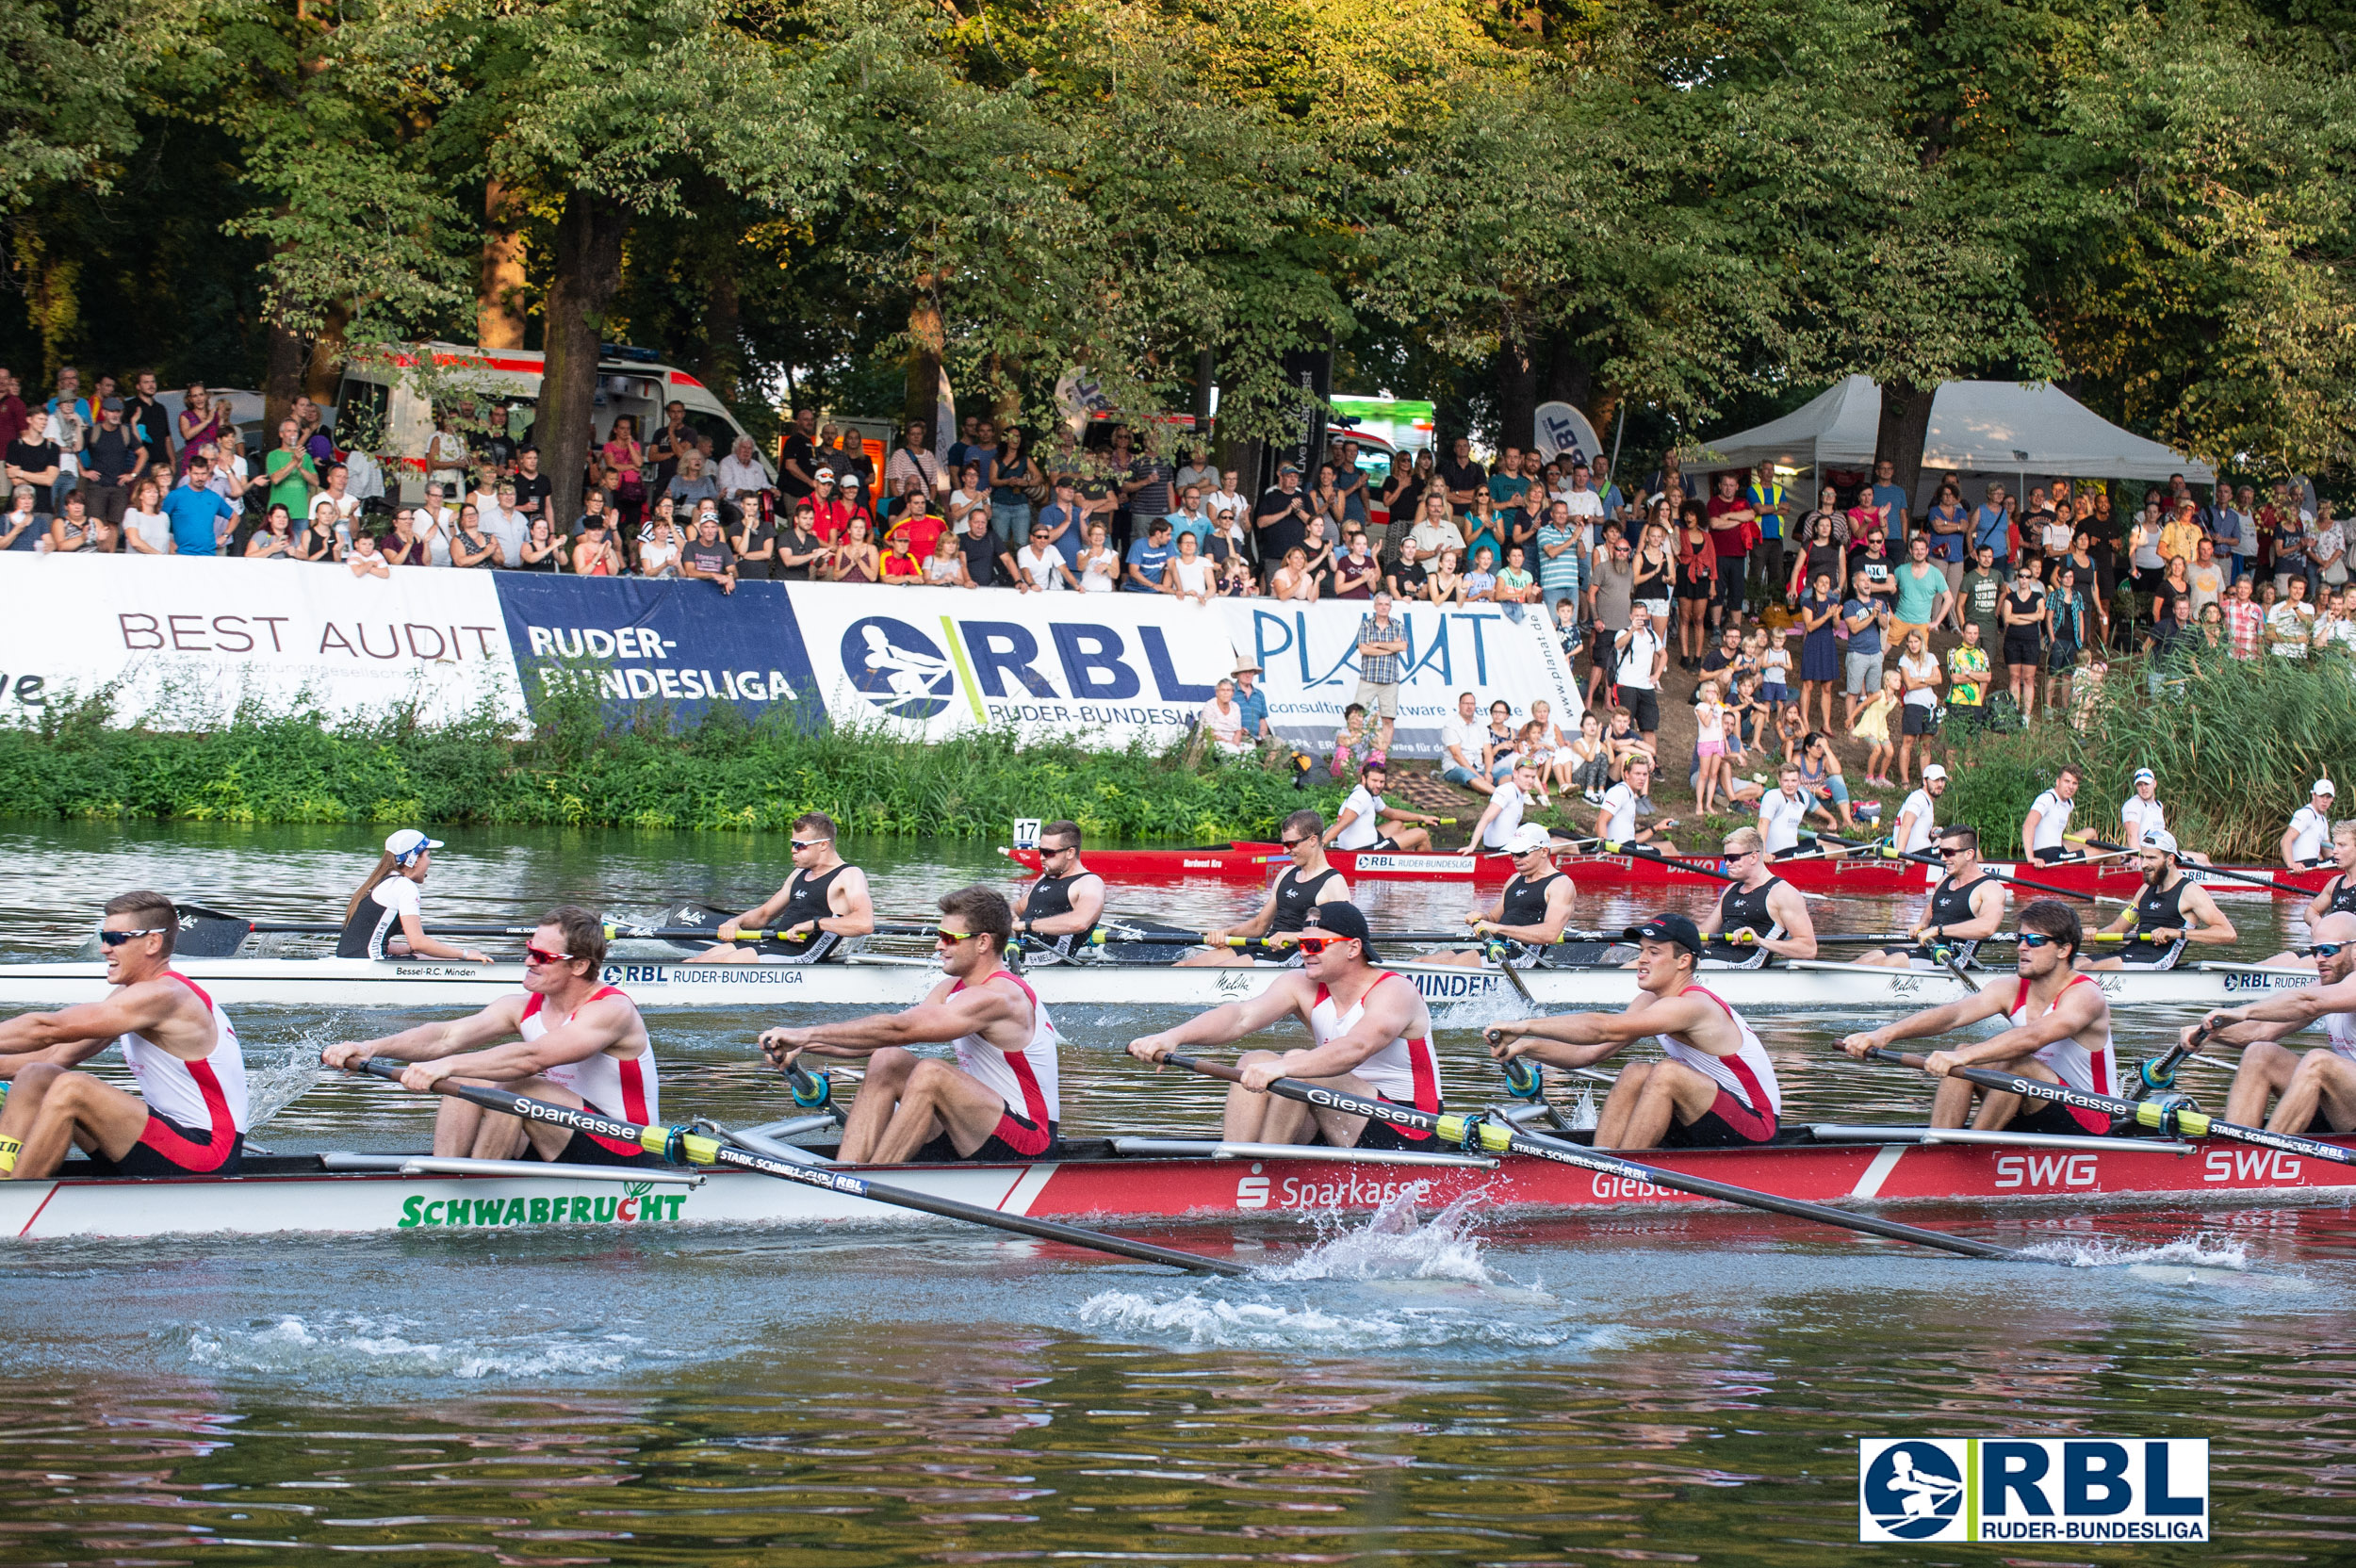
(1733, 525)
(899, 565)
(919, 528)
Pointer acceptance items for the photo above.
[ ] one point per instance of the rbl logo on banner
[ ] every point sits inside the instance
(2086, 1491)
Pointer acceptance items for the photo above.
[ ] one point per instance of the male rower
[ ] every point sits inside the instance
(1529, 914)
(1623, 803)
(190, 1116)
(1716, 1091)
(2060, 1033)
(1915, 831)
(2318, 1087)
(997, 1098)
(1361, 822)
(2335, 898)
(1502, 817)
(1369, 1032)
(824, 903)
(2042, 830)
(2171, 909)
(1758, 914)
(1783, 811)
(1303, 886)
(566, 1038)
(2304, 841)
(1061, 907)
(1967, 906)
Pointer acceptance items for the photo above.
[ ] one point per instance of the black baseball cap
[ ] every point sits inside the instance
(1667, 928)
(1347, 921)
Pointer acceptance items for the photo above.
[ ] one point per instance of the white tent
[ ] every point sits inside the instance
(1836, 431)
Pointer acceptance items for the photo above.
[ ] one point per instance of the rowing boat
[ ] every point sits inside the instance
(877, 981)
(1150, 1179)
(1862, 876)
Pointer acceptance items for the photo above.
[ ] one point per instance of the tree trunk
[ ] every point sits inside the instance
(1569, 378)
(720, 364)
(587, 270)
(1518, 395)
(928, 339)
(499, 300)
(1905, 424)
(323, 367)
(288, 365)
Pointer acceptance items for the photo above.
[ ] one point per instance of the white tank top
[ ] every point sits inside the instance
(2089, 1071)
(2339, 1033)
(1747, 1075)
(1025, 1080)
(1404, 1070)
(628, 1089)
(207, 1093)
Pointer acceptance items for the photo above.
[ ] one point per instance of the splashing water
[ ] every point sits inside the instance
(270, 1086)
(1211, 1322)
(2187, 1251)
(1393, 1244)
(351, 1345)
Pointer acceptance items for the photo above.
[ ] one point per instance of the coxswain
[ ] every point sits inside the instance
(2337, 896)
(1370, 1034)
(2304, 843)
(2317, 1087)
(1528, 915)
(1300, 888)
(1507, 804)
(2060, 1033)
(566, 1038)
(2173, 909)
(1966, 908)
(1915, 831)
(1616, 823)
(1716, 1091)
(190, 1116)
(1366, 820)
(385, 919)
(1758, 915)
(2043, 830)
(1058, 911)
(1783, 811)
(2141, 813)
(823, 905)
(997, 1100)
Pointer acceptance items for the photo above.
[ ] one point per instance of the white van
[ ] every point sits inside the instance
(397, 397)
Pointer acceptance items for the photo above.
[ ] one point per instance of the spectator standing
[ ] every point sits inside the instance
(290, 472)
(334, 511)
(913, 460)
(1641, 656)
(1282, 516)
(842, 450)
(1922, 600)
(14, 416)
(2245, 622)
(1771, 503)
(1008, 473)
(1615, 500)
(2207, 578)
(2025, 616)
(669, 446)
(1867, 618)
(146, 529)
(435, 521)
(508, 529)
(1460, 478)
(1198, 472)
(26, 527)
(69, 427)
(983, 553)
(115, 459)
(1060, 516)
(201, 518)
(1558, 548)
(1733, 526)
(144, 417)
(1148, 559)
(1991, 530)
(755, 544)
(1967, 683)
(1191, 518)
(1098, 567)
(1894, 502)
(1611, 599)
(2291, 624)
(801, 555)
(797, 459)
(1382, 659)
(707, 557)
(743, 481)
(1228, 496)
(1350, 480)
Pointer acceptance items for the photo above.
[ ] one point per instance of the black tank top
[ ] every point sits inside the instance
(807, 902)
(1951, 905)
(1524, 903)
(2157, 910)
(1295, 898)
(369, 929)
(1050, 896)
(2344, 895)
(1747, 911)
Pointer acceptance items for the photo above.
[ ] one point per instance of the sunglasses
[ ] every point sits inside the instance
(1948, 852)
(1058, 849)
(1314, 945)
(2327, 950)
(1292, 843)
(534, 956)
(2032, 939)
(943, 936)
(116, 938)
(800, 844)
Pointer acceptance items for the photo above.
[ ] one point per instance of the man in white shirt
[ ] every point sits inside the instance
(333, 508)
(742, 477)
(1507, 803)
(1783, 811)
(503, 525)
(1039, 567)
(1625, 803)
(1586, 506)
(1914, 832)
(1643, 657)
(2042, 830)
(365, 477)
(2307, 842)
(2142, 815)
(1461, 740)
(1360, 823)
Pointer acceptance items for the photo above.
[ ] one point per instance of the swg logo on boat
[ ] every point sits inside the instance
(2086, 1491)
(2045, 1170)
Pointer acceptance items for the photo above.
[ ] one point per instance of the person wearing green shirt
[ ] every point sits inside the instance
(290, 474)
(1983, 591)
(1922, 602)
(1967, 683)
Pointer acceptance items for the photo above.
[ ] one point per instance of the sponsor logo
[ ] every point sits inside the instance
(1910, 1490)
(2252, 1166)
(2025, 1171)
(1441, 987)
(1442, 865)
(1612, 1189)
(701, 974)
(2238, 980)
(901, 672)
(637, 1205)
(1344, 1192)
(2087, 1491)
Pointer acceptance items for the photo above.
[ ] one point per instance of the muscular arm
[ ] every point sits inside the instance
(423, 946)
(1088, 903)
(1582, 1039)
(2209, 925)
(1930, 1021)
(1546, 933)
(1391, 1012)
(139, 1008)
(2294, 1011)
(943, 1017)
(1286, 997)
(1987, 913)
(594, 1027)
(1790, 912)
(2028, 835)
(430, 1041)
(854, 906)
(1253, 927)
(2077, 1011)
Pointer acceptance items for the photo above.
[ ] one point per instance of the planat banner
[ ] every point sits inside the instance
(186, 642)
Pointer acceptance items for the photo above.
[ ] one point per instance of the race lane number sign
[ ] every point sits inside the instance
(2080, 1491)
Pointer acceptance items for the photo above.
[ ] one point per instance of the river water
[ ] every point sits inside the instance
(1451, 1388)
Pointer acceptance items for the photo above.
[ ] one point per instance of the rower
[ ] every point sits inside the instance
(1528, 917)
(1370, 1032)
(1502, 817)
(2172, 909)
(1758, 914)
(2310, 830)
(1967, 908)
(1783, 811)
(2318, 1087)
(2042, 829)
(1059, 909)
(1915, 833)
(1303, 886)
(2060, 1033)
(1716, 1091)
(824, 903)
(1623, 803)
(190, 1113)
(2336, 897)
(596, 1056)
(385, 919)
(1359, 824)
(998, 1099)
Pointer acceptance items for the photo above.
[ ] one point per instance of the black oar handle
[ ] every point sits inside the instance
(1921, 859)
(2284, 888)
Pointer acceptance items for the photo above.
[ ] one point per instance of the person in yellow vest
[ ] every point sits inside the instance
(1773, 506)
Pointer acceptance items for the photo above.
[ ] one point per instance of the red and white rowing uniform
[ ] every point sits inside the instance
(196, 1110)
(2088, 1072)
(2339, 1033)
(1026, 1081)
(626, 1087)
(1404, 1072)
(1750, 1100)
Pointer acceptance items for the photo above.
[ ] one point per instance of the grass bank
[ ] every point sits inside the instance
(720, 776)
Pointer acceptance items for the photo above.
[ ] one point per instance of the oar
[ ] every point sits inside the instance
(2279, 889)
(1921, 859)
(680, 1146)
(2165, 1116)
(2160, 1073)
(1501, 1136)
(1642, 852)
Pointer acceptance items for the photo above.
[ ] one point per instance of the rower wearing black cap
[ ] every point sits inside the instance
(1716, 1091)
(1370, 1032)
(1059, 909)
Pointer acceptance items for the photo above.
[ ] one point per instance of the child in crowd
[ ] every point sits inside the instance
(1710, 747)
(2086, 686)
(1774, 670)
(1353, 745)
(1873, 727)
(1745, 724)
(1791, 733)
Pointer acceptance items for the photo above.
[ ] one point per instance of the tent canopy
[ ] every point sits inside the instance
(1836, 431)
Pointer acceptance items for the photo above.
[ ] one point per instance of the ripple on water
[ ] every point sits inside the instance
(353, 1347)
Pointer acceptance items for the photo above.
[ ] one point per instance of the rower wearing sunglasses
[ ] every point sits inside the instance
(1059, 909)
(2317, 1087)
(2060, 1033)
(998, 1098)
(566, 1038)
(1527, 917)
(385, 919)
(823, 905)
(1309, 883)
(1369, 1036)
(1967, 908)
(190, 1116)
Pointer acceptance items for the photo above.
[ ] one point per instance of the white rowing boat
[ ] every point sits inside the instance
(876, 981)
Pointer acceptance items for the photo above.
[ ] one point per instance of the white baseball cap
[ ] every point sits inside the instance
(405, 844)
(1528, 836)
(2144, 776)
(2323, 787)
(1934, 771)
(2160, 838)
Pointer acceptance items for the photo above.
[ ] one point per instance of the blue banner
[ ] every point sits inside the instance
(678, 646)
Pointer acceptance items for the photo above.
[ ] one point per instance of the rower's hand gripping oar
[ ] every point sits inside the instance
(1499, 1137)
(681, 1147)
